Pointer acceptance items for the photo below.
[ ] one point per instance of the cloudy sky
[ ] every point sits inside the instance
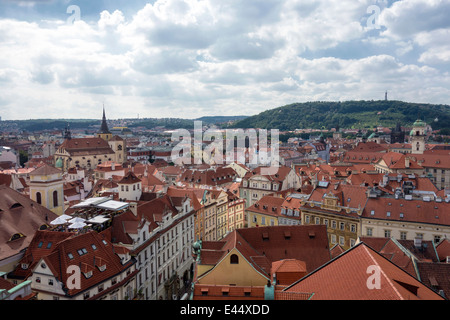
(191, 58)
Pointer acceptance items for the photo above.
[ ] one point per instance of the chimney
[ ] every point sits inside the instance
(133, 208)
(113, 166)
(406, 162)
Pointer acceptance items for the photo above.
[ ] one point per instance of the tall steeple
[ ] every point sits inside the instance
(67, 134)
(104, 132)
(104, 127)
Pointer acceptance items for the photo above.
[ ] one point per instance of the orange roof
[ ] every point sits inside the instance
(430, 212)
(353, 275)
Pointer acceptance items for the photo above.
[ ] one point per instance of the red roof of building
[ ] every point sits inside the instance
(355, 275)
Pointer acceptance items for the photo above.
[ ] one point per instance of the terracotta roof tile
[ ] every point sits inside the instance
(347, 277)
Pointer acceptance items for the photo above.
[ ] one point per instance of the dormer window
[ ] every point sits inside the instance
(88, 274)
(16, 205)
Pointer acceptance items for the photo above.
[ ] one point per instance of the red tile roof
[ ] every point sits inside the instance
(350, 277)
(429, 212)
(22, 216)
(443, 249)
(59, 260)
(264, 245)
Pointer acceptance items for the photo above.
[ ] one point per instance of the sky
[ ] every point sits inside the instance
(191, 58)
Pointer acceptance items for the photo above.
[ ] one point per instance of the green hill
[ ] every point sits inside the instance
(348, 114)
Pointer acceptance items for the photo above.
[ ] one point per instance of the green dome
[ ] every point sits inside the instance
(412, 133)
(59, 163)
(419, 123)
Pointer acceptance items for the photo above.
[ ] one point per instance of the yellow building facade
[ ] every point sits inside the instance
(46, 188)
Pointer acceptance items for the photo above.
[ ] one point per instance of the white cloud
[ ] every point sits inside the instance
(187, 58)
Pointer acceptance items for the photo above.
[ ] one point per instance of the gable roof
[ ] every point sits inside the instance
(264, 245)
(350, 277)
(96, 251)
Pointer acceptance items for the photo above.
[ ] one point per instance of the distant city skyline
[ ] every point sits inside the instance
(193, 58)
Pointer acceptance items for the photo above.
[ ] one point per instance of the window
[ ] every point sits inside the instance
(234, 259)
(55, 198)
(38, 197)
(50, 282)
(317, 220)
(49, 245)
(82, 251)
(437, 239)
(40, 244)
(369, 232)
(333, 224)
(402, 235)
(333, 238)
(341, 226)
(70, 255)
(387, 233)
(341, 241)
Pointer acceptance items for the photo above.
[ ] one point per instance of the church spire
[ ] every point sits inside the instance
(67, 134)
(104, 127)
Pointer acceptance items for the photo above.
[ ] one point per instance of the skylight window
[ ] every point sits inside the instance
(82, 251)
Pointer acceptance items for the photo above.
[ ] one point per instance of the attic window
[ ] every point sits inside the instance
(287, 235)
(82, 251)
(16, 236)
(70, 255)
(265, 236)
(312, 234)
(16, 205)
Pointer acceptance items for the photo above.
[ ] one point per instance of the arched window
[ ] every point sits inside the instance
(234, 259)
(38, 197)
(55, 198)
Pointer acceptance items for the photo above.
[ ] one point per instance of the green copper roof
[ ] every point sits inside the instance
(419, 123)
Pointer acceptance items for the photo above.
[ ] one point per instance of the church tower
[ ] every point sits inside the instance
(46, 188)
(104, 131)
(417, 137)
